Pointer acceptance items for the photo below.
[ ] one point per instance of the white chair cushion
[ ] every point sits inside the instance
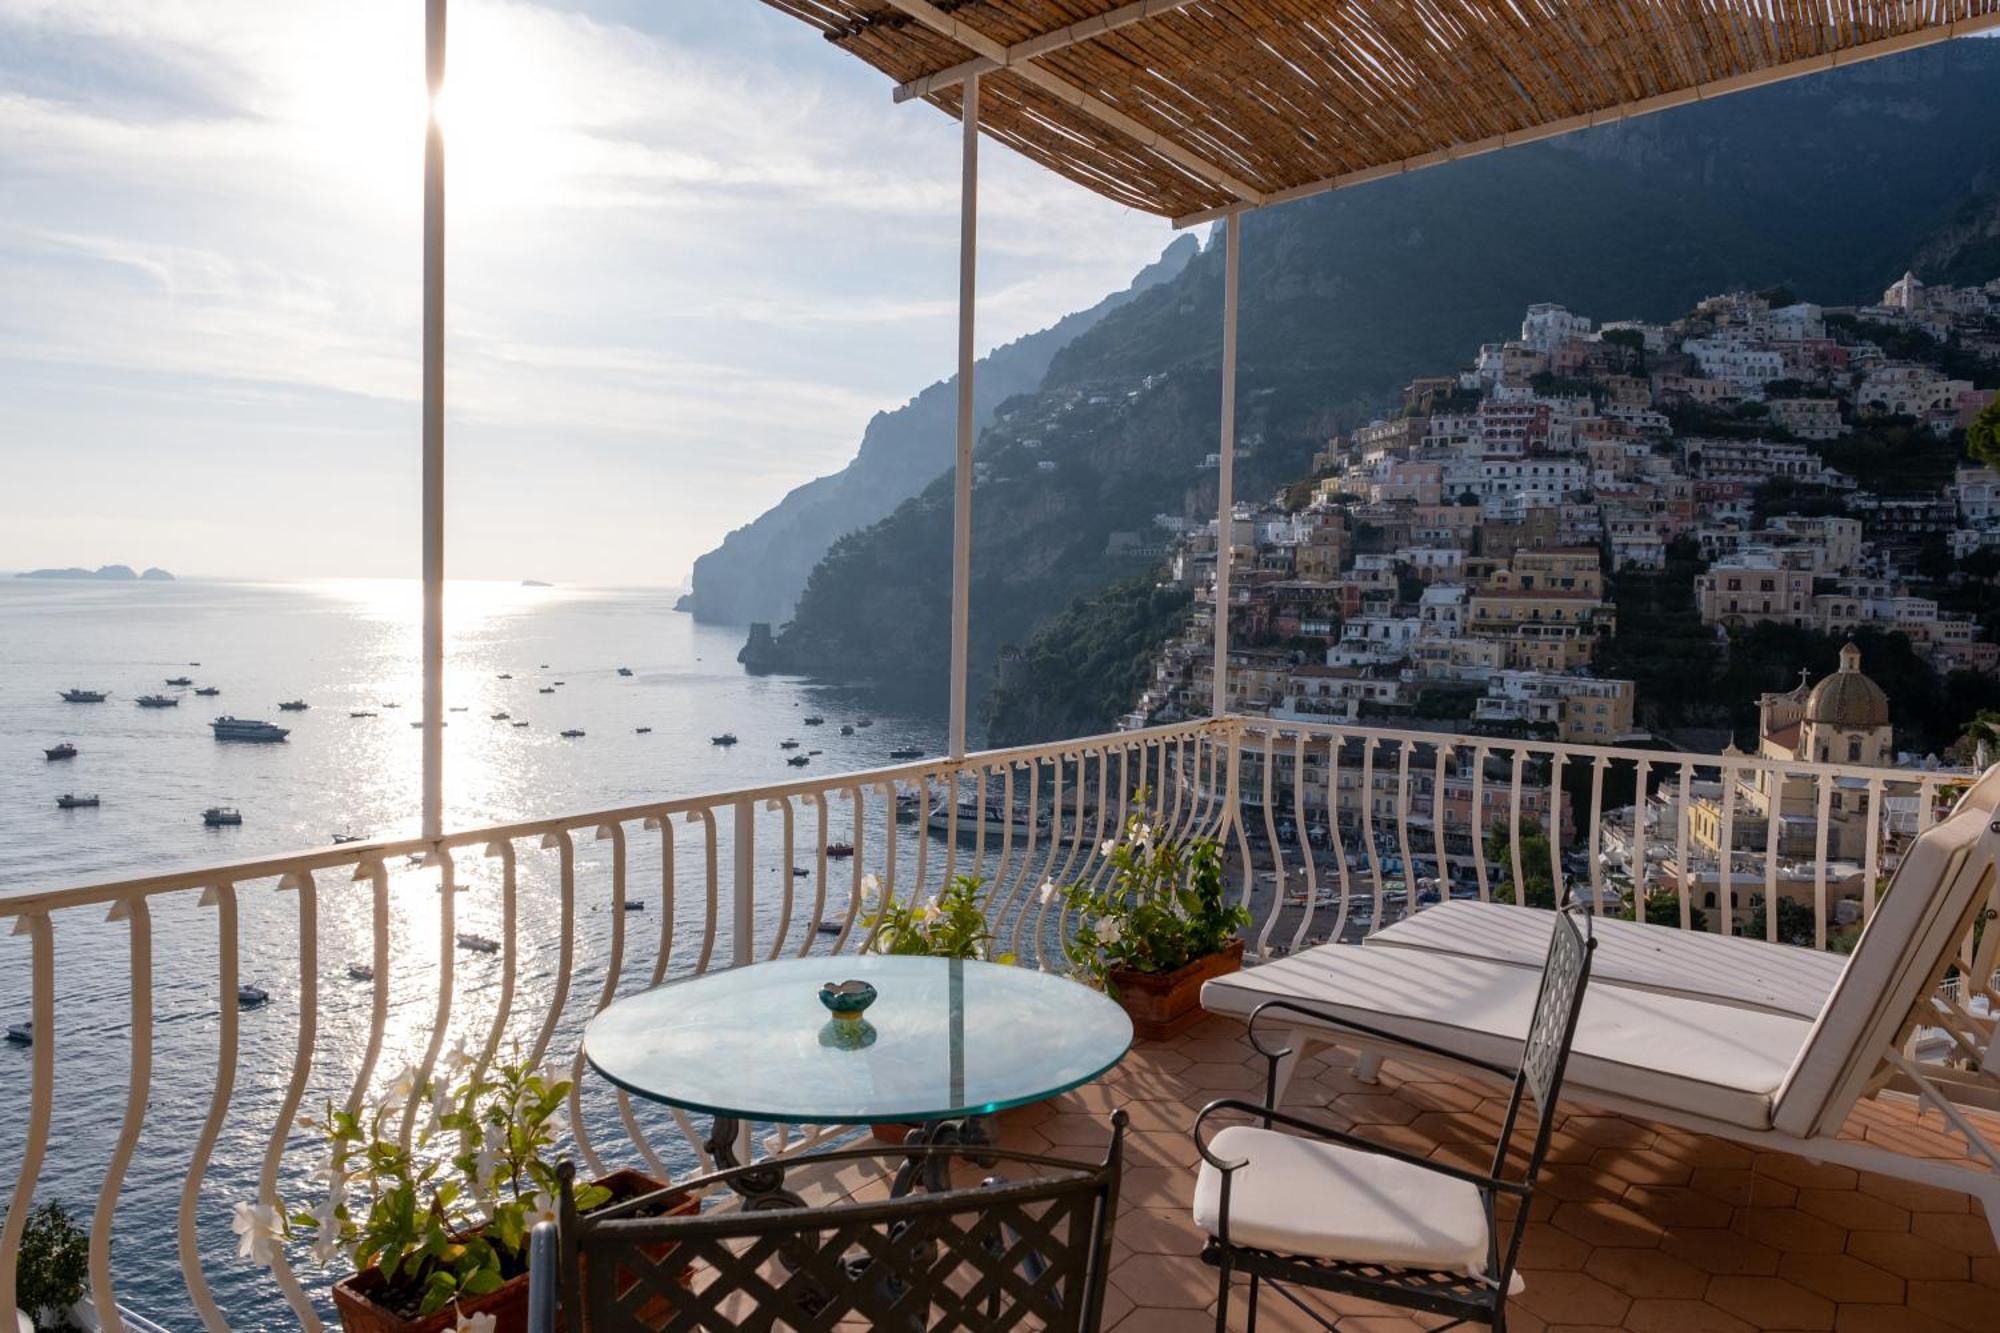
(1713, 1060)
(1306, 1197)
(1727, 969)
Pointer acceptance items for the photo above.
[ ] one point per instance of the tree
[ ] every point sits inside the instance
(1536, 875)
(1663, 908)
(1982, 734)
(1796, 923)
(1982, 439)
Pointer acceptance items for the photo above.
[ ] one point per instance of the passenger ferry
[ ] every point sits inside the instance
(246, 729)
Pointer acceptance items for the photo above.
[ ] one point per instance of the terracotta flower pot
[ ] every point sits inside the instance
(355, 1297)
(1163, 1005)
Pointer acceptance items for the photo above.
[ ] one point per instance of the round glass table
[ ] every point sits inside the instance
(945, 1043)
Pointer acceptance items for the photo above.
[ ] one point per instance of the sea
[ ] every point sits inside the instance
(348, 647)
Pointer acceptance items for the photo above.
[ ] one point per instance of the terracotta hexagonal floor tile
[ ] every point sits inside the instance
(1720, 1250)
(1076, 1129)
(1841, 1277)
(1163, 1117)
(1967, 1305)
(1217, 1080)
(1909, 1194)
(1770, 1302)
(1678, 1206)
(1375, 1108)
(1641, 1166)
(1909, 1256)
(1160, 1231)
(1153, 1086)
(1546, 1247)
(1955, 1231)
(1682, 1316)
(1157, 1149)
(1701, 1150)
(1147, 1320)
(1887, 1319)
(1158, 1281)
(1790, 1230)
(1157, 1187)
(1742, 1187)
(1854, 1210)
(1646, 1273)
(1603, 1222)
(1610, 1131)
(1572, 1298)
(1797, 1171)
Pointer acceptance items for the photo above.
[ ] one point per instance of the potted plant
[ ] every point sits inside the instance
(1156, 928)
(437, 1232)
(952, 924)
(50, 1271)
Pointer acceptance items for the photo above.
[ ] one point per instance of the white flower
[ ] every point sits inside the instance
(326, 1239)
(1108, 846)
(400, 1089)
(1109, 931)
(929, 912)
(475, 1323)
(1049, 892)
(258, 1226)
(540, 1209)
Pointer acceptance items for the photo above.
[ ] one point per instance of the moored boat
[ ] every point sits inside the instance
(865, 722)
(624, 671)
(522, 723)
(642, 731)
(247, 729)
(180, 680)
(63, 751)
(499, 717)
(477, 943)
(347, 837)
(789, 743)
(840, 850)
(799, 760)
(970, 819)
(208, 691)
(249, 997)
(815, 721)
(847, 728)
(726, 738)
(22, 1034)
(360, 972)
(546, 689)
(294, 706)
(906, 753)
(71, 801)
(159, 701)
(221, 816)
(363, 712)
(85, 696)
(572, 733)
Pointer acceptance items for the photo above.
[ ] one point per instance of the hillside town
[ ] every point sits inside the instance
(1456, 559)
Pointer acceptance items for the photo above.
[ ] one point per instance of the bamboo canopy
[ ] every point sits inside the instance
(1195, 108)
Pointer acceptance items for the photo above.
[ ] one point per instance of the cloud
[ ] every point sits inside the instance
(732, 248)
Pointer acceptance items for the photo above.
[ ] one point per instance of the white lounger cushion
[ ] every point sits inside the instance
(1753, 973)
(1308, 1197)
(1719, 1061)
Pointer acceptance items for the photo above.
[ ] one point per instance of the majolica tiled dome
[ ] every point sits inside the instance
(1848, 699)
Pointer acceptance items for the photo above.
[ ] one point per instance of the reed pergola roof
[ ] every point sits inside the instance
(1194, 108)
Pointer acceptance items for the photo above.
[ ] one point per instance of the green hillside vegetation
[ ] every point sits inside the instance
(1349, 295)
(1084, 668)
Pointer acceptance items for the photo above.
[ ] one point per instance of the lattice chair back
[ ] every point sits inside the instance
(1029, 1250)
(1545, 1051)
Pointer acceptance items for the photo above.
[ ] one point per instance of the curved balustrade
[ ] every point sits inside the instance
(503, 941)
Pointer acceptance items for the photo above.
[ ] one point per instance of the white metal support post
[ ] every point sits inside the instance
(961, 507)
(1225, 472)
(433, 428)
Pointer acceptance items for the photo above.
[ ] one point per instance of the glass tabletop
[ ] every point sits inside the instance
(942, 1038)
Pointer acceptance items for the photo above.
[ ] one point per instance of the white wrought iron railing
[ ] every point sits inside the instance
(142, 1053)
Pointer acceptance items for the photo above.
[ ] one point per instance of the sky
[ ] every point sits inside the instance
(692, 249)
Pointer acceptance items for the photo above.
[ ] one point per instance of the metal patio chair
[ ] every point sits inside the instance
(1032, 1250)
(1326, 1209)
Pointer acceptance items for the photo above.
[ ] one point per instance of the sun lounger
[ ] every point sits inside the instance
(1712, 1063)
(1726, 969)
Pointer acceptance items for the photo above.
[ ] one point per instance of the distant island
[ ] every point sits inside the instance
(535, 583)
(108, 573)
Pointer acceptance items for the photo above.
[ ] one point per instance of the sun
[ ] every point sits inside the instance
(351, 95)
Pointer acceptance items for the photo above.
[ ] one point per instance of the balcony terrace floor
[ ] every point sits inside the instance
(1636, 1226)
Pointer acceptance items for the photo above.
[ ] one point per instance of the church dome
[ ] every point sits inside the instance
(1847, 699)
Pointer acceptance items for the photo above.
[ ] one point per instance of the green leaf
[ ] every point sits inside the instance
(439, 1290)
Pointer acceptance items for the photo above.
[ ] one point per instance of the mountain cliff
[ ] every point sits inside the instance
(1827, 184)
(757, 572)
